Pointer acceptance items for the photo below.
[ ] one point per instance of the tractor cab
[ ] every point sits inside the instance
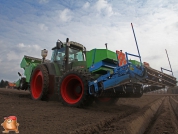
(68, 52)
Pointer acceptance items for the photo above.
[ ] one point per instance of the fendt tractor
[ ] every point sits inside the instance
(81, 77)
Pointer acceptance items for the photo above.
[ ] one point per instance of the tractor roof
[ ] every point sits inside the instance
(73, 44)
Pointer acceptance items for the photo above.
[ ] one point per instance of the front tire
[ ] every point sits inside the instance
(74, 89)
(39, 83)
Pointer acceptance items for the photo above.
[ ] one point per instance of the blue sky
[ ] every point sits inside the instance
(28, 26)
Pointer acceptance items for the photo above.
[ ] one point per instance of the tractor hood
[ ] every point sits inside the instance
(79, 65)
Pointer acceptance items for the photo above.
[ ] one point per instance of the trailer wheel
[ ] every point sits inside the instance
(106, 101)
(39, 83)
(74, 89)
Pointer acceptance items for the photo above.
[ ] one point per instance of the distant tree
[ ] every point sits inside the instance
(6, 83)
(2, 83)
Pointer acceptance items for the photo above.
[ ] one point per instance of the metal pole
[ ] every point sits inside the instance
(169, 62)
(67, 55)
(136, 42)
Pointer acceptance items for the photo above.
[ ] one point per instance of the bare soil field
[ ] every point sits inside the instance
(150, 114)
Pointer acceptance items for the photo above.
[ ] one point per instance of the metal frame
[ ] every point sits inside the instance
(121, 75)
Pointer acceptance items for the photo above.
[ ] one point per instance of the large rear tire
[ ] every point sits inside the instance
(39, 83)
(74, 88)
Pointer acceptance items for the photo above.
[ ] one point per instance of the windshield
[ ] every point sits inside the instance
(74, 55)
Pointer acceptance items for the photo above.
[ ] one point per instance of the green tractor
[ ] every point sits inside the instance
(66, 75)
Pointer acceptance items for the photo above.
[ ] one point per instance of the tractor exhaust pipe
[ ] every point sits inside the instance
(67, 54)
(106, 45)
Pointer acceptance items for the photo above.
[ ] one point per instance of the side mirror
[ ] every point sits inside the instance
(59, 44)
(19, 74)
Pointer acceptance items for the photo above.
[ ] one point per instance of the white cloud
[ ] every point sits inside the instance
(21, 45)
(36, 47)
(12, 56)
(43, 1)
(43, 27)
(104, 6)
(86, 5)
(33, 48)
(65, 15)
(23, 49)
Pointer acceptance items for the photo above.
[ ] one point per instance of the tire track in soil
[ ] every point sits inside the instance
(115, 124)
(165, 121)
(174, 103)
(52, 117)
(95, 128)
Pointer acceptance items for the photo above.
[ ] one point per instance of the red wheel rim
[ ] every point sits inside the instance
(104, 99)
(72, 89)
(37, 84)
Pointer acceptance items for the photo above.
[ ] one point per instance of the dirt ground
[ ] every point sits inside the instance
(41, 117)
